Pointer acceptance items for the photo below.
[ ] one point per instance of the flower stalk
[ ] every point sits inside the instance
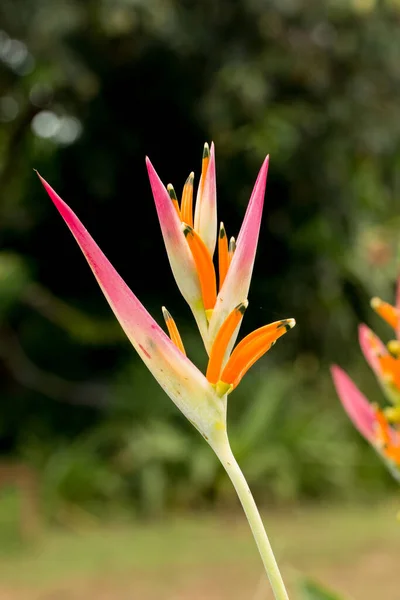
(245, 496)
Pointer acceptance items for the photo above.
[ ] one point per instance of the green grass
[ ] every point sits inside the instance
(317, 540)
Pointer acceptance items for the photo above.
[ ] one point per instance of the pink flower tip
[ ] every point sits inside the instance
(354, 403)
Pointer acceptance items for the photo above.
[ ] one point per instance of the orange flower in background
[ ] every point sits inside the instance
(381, 427)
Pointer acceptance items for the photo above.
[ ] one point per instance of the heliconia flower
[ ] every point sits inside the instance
(176, 374)
(190, 241)
(381, 427)
(201, 398)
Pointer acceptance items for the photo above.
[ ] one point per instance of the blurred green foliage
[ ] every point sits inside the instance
(310, 590)
(86, 90)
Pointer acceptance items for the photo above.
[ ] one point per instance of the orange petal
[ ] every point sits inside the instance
(393, 452)
(223, 255)
(251, 348)
(187, 201)
(390, 367)
(383, 428)
(222, 340)
(385, 310)
(173, 330)
(387, 438)
(204, 265)
(204, 166)
(174, 199)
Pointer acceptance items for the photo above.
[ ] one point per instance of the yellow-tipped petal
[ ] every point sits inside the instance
(232, 248)
(251, 348)
(385, 310)
(204, 265)
(174, 199)
(222, 340)
(187, 201)
(173, 330)
(223, 255)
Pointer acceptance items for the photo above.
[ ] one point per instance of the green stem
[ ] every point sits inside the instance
(228, 460)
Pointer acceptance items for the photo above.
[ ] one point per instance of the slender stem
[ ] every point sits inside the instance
(253, 516)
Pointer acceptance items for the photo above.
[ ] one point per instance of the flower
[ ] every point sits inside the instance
(380, 427)
(190, 239)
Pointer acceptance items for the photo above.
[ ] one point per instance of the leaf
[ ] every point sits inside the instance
(311, 590)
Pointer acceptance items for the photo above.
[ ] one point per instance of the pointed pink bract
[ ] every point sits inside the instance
(364, 335)
(355, 403)
(178, 251)
(252, 219)
(128, 309)
(237, 282)
(166, 212)
(176, 374)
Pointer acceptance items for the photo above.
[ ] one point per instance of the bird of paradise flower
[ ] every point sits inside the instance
(190, 236)
(380, 427)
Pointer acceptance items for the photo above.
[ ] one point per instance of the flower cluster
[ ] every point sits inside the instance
(191, 235)
(380, 426)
